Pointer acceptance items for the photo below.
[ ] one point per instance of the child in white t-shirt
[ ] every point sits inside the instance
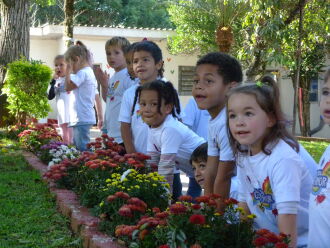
(62, 97)
(274, 182)
(170, 142)
(82, 82)
(319, 204)
(216, 73)
(113, 89)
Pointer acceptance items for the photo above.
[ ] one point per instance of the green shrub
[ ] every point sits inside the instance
(26, 85)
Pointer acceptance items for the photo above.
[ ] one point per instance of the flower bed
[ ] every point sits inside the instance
(132, 201)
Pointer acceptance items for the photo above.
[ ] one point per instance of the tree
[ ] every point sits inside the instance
(14, 39)
(68, 21)
(129, 13)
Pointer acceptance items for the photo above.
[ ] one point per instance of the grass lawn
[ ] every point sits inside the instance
(315, 148)
(28, 216)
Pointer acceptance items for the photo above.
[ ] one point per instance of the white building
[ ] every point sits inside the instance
(47, 41)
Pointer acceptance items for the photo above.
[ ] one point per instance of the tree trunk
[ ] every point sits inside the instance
(68, 22)
(305, 120)
(14, 40)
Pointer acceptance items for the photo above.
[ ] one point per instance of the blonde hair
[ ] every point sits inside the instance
(121, 42)
(60, 56)
(76, 51)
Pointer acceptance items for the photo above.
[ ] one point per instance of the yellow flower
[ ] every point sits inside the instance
(251, 216)
(137, 186)
(155, 185)
(108, 180)
(217, 214)
(102, 203)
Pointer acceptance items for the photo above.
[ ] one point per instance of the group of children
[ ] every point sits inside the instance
(231, 138)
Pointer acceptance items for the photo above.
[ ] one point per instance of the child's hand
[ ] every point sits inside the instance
(55, 76)
(101, 77)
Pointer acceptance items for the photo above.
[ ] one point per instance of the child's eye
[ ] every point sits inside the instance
(135, 61)
(202, 165)
(232, 116)
(209, 82)
(142, 104)
(154, 104)
(196, 81)
(145, 59)
(325, 92)
(249, 113)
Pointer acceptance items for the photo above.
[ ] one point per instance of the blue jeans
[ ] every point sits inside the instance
(81, 136)
(194, 189)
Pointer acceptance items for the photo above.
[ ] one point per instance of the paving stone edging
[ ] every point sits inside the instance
(82, 223)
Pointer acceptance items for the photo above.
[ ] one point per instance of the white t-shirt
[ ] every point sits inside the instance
(218, 142)
(266, 180)
(82, 102)
(319, 205)
(173, 137)
(63, 100)
(195, 118)
(138, 127)
(118, 84)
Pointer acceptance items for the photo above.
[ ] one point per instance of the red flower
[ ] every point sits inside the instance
(272, 237)
(111, 198)
(164, 246)
(185, 198)
(162, 215)
(197, 219)
(178, 208)
(204, 199)
(262, 232)
(231, 201)
(122, 195)
(125, 211)
(281, 245)
(196, 206)
(195, 246)
(260, 241)
(155, 210)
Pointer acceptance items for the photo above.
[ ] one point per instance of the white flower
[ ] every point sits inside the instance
(50, 164)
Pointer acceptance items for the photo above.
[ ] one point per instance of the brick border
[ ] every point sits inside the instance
(82, 223)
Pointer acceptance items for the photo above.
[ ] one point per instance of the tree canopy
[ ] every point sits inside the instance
(129, 13)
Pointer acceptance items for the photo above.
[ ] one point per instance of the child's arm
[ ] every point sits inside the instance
(210, 174)
(166, 168)
(69, 85)
(103, 78)
(98, 106)
(126, 135)
(287, 224)
(223, 181)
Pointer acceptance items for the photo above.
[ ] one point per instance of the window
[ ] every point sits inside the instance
(313, 90)
(186, 79)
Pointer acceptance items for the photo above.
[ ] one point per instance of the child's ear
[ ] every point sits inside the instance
(233, 84)
(159, 65)
(168, 108)
(271, 120)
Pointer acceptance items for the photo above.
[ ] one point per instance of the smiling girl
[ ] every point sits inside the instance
(170, 142)
(274, 181)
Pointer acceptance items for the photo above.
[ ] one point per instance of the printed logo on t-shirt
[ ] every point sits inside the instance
(138, 114)
(321, 182)
(263, 197)
(112, 88)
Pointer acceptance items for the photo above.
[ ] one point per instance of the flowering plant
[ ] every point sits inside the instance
(55, 151)
(37, 136)
(267, 239)
(186, 224)
(13, 131)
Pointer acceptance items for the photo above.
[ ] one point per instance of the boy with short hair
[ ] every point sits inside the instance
(216, 74)
(114, 88)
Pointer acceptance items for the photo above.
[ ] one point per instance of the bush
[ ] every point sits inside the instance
(26, 85)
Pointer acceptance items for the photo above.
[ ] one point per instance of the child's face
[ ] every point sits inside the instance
(115, 57)
(60, 67)
(248, 123)
(145, 67)
(209, 89)
(129, 64)
(149, 108)
(199, 169)
(325, 102)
